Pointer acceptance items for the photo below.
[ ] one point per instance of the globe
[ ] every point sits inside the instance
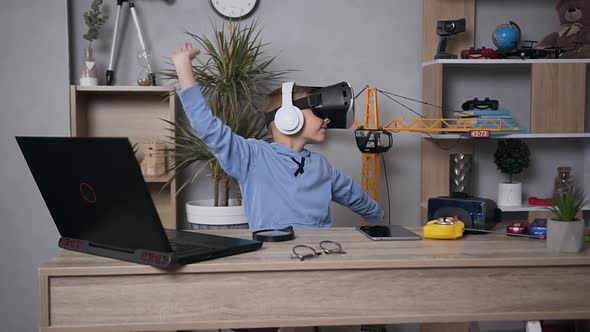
(506, 36)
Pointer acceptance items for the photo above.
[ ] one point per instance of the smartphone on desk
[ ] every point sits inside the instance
(388, 233)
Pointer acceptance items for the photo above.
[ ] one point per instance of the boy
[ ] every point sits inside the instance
(282, 183)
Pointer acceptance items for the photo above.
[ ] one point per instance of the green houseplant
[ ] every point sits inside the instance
(565, 231)
(94, 19)
(234, 74)
(512, 156)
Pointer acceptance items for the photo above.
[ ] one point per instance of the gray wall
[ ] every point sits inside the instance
(34, 101)
(327, 41)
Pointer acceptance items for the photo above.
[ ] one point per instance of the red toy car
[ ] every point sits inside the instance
(518, 227)
(478, 53)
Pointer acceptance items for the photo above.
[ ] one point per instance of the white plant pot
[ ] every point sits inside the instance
(510, 194)
(203, 215)
(565, 236)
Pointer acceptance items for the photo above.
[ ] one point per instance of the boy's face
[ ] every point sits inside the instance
(314, 128)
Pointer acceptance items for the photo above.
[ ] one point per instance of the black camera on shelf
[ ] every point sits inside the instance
(445, 29)
(450, 27)
(480, 104)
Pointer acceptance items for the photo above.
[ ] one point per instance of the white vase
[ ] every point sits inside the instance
(203, 215)
(510, 194)
(88, 71)
(565, 236)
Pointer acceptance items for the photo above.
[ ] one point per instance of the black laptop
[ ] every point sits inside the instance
(100, 203)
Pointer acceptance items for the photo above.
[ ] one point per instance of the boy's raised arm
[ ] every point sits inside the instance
(182, 62)
(235, 153)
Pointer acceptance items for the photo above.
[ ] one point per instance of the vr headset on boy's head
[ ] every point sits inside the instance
(335, 102)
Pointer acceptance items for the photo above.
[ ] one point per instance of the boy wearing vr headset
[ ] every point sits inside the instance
(283, 184)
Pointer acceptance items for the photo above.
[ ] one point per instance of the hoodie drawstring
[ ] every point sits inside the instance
(299, 165)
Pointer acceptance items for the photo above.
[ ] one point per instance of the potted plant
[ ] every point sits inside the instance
(565, 231)
(94, 20)
(511, 157)
(235, 75)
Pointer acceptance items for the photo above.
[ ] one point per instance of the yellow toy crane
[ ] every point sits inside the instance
(370, 137)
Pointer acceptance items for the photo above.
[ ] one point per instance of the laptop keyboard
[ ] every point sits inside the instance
(188, 248)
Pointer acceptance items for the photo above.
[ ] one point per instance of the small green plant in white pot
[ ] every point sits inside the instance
(565, 231)
(512, 156)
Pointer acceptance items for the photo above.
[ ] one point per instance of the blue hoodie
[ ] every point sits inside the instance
(280, 186)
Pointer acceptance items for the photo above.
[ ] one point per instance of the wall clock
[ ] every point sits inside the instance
(234, 9)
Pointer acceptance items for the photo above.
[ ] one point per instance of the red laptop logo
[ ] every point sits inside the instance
(87, 192)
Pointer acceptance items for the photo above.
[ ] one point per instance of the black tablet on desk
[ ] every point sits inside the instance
(388, 233)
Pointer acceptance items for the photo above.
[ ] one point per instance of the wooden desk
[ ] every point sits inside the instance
(480, 277)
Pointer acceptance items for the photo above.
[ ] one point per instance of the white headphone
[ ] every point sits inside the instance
(288, 119)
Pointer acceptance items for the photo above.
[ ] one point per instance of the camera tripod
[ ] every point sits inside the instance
(145, 53)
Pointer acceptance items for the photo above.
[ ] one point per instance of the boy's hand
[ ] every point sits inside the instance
(183, 54)
(182, 61)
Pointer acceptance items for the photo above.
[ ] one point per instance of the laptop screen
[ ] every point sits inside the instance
(94, 190)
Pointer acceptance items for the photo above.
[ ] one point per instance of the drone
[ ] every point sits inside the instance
(529, 52)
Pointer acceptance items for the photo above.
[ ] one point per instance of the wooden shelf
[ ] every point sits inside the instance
(134, 112)
(124, 88)
(520, 208)
(526, 208)
(523, 136)
(157, 178)
(502, 61)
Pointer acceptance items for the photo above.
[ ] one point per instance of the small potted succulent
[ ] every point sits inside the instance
(565, 231)
(511, 157)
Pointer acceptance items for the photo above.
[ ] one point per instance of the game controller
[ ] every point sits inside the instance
(478, 53)
(480, 104)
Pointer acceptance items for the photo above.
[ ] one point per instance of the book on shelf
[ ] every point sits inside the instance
(484, 119)
(490, 124)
